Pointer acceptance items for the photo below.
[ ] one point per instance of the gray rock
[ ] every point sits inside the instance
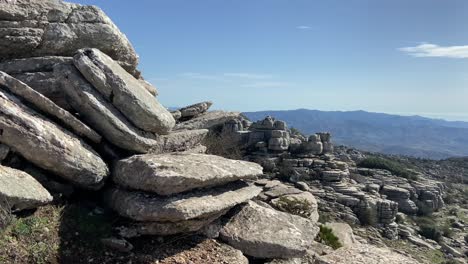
(19, 190)
(47, 145)
(167, 174)
(266, 233)
(195, 109)
(178, 141)
(207, 121)
(152, 208)
(32, 28)
(148, 86)
(344, 232)
(311, 211)
(48, 107)
(118, 244)
(123, 91)
(4, 151)
(176, 114)
(100, 114)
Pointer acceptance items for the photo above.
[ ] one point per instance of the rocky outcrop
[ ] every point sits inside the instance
(123, 91)
(194, 110)
(266, 233)
(19, 190)
(47, 145)
(33, 28)
(344, 233)
(167, 174)
(207, 121)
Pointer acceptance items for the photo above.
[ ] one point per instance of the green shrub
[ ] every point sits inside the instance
(223, 144)
(424, 209)
(386, 164)
(367, 217)
(294, 206)
(431, 232)
(327, 237)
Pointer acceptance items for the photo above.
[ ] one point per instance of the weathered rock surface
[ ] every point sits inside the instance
(123, 91)
(195, 109)
(207, 120)
(178, 141)
(364, 254)
(32, 28)
(48, 107)
(19, 190)
(305, 198)
(37, 73)
(4, 151)
(100, 114)
(47, 145)
(266, 233)
(344, 232)
(167, 174)
(152, 208)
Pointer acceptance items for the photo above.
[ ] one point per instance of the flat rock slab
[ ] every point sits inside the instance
(146, 207)
(195, 109)
(19, 190)
(48, 107)
(123, 91)
(47, 145)
(40, 28)
(178, 141)
(262, 232)
(100, 114)
(207, 120)
(172, 173)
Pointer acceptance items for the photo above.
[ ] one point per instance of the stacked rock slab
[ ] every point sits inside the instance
(173, 193)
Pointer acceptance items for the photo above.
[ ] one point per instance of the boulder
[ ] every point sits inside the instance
(33, 28)
(309, 208)
(195, 109)
(207, 120)
(123, 91)
(147, 207)
(266, 233)
(178, 141)
(48, 107)
(167, 174)
(344, 232)
(19, 190)
(47, 145)
(100, 114)
(37, 73)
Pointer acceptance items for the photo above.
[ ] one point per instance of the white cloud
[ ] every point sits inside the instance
(432, 50)
(266, 85)
(303, 27)
(199, 76)
(244, 75)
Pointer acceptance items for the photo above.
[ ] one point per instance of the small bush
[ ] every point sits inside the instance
(327, 237)
(296, 206)
(424, 209)
(223, 144)
(368, 217)
(431, 232)
(386, 164)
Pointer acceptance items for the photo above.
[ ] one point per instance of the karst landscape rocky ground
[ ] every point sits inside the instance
(95, 170)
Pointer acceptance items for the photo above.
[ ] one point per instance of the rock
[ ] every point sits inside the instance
(333, 175)
(148, 86)
(178, 141)
(4, 151)
(100, 114)
(419, 242)
(37, 73)
(364, 253)
(167, 174)
(303, 186)
(176, 114)
(47, 107)
(19, 190)
(32, 28)
(279, 140)
(207, 120)
(120, 245)
(344, 232)
(47, 145)
(266, 233)
(311, 211)
(195, 109)
(152, 208)
(123, 91)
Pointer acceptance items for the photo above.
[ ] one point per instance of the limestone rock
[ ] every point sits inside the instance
(32, 28)
(305, 197)
(195, 109)
(167, 174)
(100, 114)
(48, 107)
(4, 151)
(19, 190)
(344, 232)
(123, 91)
(152, 208)
(178, 141)
(47, 145)
(266, 233)
(207, 121)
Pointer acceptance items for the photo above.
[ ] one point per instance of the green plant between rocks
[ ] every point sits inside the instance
(327, 237)
(296, 206)
(386, 164)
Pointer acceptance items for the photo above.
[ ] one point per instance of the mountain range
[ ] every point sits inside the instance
(377, 132)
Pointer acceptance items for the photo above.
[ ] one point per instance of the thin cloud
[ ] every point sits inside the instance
(199, 76)
(303, 27)
(266, 85)
(244, 75)
(433, 50)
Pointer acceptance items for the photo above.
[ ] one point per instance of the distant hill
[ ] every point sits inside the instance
(392, 134)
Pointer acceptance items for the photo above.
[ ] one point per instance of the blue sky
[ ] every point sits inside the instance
(398, 56)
